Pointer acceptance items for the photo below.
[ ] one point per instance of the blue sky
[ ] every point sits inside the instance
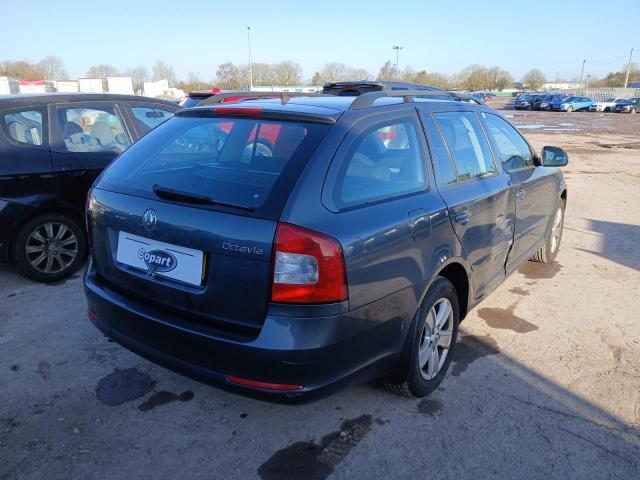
(198, 35)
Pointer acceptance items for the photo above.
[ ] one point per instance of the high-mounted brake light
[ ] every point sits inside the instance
(308, 267)
(237, 111)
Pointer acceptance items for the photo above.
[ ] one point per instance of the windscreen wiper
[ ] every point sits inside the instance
(189, 197)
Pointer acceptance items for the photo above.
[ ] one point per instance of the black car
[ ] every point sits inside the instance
(52, 148)
(544, 102)
(355, 88)
(526, 101)
(628, 106)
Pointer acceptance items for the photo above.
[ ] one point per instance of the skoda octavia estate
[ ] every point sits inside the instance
(286, 247)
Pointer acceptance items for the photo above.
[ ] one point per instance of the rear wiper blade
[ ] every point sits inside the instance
(172, 194)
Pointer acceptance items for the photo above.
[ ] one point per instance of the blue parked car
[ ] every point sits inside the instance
(286, 247)
(573, 104)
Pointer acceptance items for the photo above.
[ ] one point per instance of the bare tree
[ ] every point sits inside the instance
(339, 72)
(163, 71)
(500, 78)
(228, 76)
(52, 68)
(139, 74)
(103, 72)
(262, 74)
(387, 72)
(533, 79)
(287, 73)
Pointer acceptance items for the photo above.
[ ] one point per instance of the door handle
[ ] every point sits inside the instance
(462, 216)
(74, 172)
(520, 194)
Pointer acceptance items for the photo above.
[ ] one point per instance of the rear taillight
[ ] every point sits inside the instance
(87, 212)
(308, 267)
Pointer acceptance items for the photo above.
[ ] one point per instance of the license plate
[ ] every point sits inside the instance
(160, 259)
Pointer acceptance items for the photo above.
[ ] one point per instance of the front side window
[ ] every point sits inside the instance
(149, 118)
(91, 129)
(467, 143)
(385, 161)
(24, 126)
(513, 151)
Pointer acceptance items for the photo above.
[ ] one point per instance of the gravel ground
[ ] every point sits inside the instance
(545, 383)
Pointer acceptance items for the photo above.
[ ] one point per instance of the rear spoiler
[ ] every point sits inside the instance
(242, 111)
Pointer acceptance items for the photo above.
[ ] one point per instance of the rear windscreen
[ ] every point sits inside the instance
(248, 164)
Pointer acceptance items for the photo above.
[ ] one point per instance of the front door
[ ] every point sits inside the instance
(534, 191)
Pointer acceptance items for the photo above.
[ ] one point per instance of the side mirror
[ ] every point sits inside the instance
(554, 157)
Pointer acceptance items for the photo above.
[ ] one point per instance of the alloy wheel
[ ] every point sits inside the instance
(435, 339)
(51, 248)
(556, 230)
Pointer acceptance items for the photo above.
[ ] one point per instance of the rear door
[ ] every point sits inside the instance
(478, 196)
(535, 192)
(85, 138)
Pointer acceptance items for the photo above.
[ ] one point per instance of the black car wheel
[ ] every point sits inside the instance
(430, 343)
(49, 247)
(547, 253)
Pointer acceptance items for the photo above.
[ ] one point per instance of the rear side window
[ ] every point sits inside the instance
(24, 126)
(512, 149)
(149, 118)
(386, 161)
(444, 167)
(467, 144)
(91, 129)
(245, 163)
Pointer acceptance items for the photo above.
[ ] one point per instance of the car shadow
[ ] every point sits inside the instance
(618, 242)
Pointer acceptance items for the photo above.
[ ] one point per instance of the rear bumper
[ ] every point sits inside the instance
(320, 353)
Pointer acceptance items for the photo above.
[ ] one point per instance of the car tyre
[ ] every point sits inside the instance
(432, 335)
(49, 247)
(633, 110)
(548, 252)
(569, 109)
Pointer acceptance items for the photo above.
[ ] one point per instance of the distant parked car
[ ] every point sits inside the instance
(52, 148)
(525, 102)
(545, 102)
(606, 105)
(573, 104)
(628, 106)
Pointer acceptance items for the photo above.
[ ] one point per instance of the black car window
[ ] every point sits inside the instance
(24, 126)
(150, 117)
(445, 170)
(512, 149)
(467, 143)
(385, 161)
(91, 129)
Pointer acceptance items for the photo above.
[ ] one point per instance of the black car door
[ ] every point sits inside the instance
(477, 194)
(534, 190)
(86, 137)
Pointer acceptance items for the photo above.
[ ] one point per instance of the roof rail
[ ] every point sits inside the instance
(367, 100)
(284, 96)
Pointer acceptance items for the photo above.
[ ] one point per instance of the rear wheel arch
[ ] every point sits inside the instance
(456, 273)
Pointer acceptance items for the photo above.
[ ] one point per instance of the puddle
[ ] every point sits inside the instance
(520, 291)
(122, 386)
(316, 461)
(532, 126)
(558, 129)
(162, 398)
(429, 406)
(469, 349)
(536, 270)
(506, 319)
(566, 124)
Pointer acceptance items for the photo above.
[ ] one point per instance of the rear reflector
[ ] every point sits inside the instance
(308, 267)
(92, 315)
(263, 385)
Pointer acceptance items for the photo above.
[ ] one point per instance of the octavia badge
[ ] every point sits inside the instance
(149, 219)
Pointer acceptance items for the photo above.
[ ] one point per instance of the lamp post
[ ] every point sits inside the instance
(582, 73)
(250, 68)
(397, 48)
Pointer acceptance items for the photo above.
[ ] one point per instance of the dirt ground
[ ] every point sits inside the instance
(545, 383)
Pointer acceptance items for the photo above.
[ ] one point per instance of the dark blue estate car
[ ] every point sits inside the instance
(287, 247)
